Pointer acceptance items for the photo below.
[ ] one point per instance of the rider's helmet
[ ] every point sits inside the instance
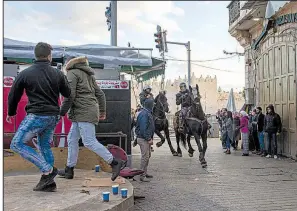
(183, 86)
(147, 89)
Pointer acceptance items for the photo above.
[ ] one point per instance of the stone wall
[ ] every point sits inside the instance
(208, 90)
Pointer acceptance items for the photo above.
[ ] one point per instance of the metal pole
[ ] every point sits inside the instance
(114, 25)
(189, 63)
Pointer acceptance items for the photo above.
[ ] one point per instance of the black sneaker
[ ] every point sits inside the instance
(52, 187)
(117, 166)
(45, 180)
(67, 173)
(149, 176)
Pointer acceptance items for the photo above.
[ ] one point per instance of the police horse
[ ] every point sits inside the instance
(161, 122)
(195, 125)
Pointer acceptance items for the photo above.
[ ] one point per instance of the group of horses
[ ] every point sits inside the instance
(195, 125)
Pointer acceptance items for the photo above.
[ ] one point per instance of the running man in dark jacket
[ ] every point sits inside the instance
(145, 128)
(273, 127)
(43, 85)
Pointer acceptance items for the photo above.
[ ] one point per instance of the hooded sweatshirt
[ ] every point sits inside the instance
(272, 122)
(145, 125)
(87, 100)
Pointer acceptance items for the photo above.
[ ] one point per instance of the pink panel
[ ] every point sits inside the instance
(8, 128)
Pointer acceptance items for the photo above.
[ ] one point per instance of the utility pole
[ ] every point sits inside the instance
(162, 42)
(188, 46)
(114, 25)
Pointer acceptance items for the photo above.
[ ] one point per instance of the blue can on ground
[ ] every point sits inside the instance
(105, 196)
(115, 189)
(124, 192)
(97, 168)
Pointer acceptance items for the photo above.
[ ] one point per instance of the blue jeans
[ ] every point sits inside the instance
(228, 142)
(42, 127)
(261, 141)
(86, 131)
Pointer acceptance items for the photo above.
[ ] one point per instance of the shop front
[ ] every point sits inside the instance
(270, 55)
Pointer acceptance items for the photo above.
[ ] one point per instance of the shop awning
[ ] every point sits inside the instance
(96, 53)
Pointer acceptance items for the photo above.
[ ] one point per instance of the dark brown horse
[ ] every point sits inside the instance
(161, 122)
(195, 125)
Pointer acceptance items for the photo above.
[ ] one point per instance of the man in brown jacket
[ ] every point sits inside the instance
(87, 106)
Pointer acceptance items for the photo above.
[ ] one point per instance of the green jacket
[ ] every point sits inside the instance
(87, 100)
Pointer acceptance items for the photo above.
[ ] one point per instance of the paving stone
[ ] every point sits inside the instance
(230, 182)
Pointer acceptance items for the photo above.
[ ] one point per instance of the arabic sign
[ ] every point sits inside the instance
(112, 84)
(8, 81)
(288, 18)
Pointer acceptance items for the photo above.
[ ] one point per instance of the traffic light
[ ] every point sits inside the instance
(108, 16)
(159, 41)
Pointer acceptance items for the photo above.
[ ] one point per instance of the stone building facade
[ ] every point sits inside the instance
(208, 87)
(270, 61)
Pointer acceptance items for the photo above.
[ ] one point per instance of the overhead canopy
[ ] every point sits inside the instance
(96, 53)
(146, 73)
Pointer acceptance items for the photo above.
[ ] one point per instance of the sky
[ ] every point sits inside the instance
(203, 23)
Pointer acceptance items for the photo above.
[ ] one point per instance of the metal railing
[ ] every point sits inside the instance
(234, 11)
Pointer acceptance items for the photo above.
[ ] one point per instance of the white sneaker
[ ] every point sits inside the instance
(268, 156)
(275, 156)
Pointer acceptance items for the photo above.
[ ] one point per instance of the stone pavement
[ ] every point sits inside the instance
(230, 182)
(18, 194)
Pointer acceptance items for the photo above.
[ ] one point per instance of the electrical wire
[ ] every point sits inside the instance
(199, 65)
(208, 60)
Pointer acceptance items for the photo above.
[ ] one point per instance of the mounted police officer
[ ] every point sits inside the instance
(183, 98)
(145, 94)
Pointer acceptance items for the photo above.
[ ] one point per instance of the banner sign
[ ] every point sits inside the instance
(113, 84)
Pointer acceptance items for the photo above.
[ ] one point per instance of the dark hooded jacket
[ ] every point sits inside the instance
(87, 100)
(183, 98)
(272, 122)
(145, 126)
(143, 97)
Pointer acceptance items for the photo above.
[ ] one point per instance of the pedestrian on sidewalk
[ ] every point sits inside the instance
(43, 85)
(224, 130)
(273, 128)
(229, 128)
(236, 131)
(86, 105)
(244, 129)
(145, 128)
(254, 132)
(260, 127)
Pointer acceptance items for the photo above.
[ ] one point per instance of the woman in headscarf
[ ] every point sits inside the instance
(244, 129)
(229, 129)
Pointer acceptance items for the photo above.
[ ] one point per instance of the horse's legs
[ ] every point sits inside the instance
(160, 143)
(197, 139)
(177, 136)
(191, 150)
(166, 131)
(204, 142)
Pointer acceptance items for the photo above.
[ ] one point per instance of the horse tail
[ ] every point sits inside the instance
(183, 140)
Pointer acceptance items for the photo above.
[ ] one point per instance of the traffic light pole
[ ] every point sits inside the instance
(114, 27)
(188, 46)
